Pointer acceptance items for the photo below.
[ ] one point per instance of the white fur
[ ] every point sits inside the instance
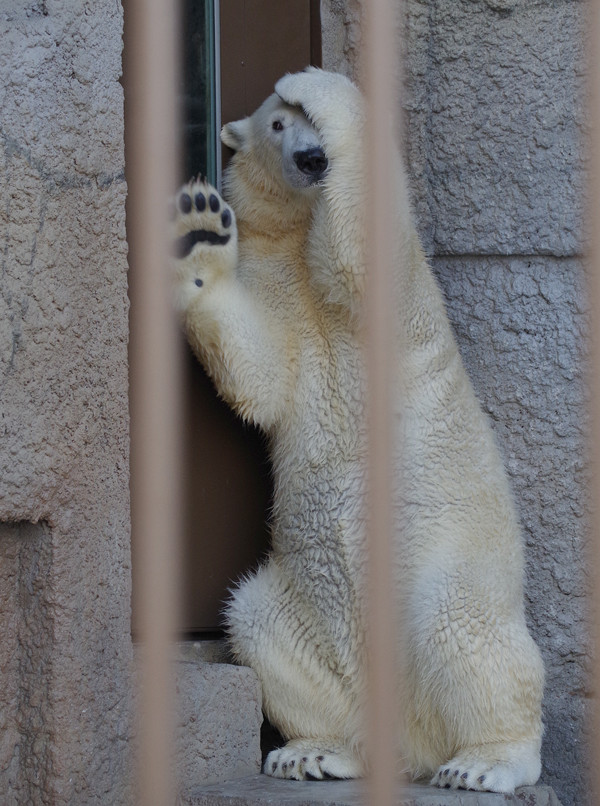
(277, 324)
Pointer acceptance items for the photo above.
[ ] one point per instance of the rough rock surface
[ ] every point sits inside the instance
(494, 118)
(218, 730)
(264, 791)
(64, 496)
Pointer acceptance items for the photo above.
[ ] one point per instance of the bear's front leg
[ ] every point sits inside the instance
(335, 107)
(240, 344)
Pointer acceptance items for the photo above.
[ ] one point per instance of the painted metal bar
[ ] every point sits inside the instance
(380, 63)
(155, 381)
(593, 267)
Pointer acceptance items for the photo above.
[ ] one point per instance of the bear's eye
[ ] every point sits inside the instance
(277, 126)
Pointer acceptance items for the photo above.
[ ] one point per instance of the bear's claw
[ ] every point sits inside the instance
(493, 768)
(301, 761)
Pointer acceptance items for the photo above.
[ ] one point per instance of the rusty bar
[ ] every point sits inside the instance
(155, 380)
(379, 71)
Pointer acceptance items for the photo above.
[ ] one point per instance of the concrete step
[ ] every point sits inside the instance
(260, 790)
(220, 716)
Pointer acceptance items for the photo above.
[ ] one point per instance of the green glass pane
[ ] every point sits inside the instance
(199, 107)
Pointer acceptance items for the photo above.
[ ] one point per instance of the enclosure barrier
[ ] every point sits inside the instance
(380, 70)
(155, 383)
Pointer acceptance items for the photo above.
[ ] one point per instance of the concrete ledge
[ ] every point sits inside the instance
(218, 734)
(260, 790)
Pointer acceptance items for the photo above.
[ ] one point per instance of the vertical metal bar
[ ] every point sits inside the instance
(379, 72)
(155, 380)
(593, 44)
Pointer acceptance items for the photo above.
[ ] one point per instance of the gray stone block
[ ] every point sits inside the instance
(495, 113)
(218, 731)
(495, 109)
(264, 791)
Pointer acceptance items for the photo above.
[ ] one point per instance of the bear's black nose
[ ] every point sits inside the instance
(312, 161)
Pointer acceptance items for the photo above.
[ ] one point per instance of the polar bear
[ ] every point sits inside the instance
(269, 285)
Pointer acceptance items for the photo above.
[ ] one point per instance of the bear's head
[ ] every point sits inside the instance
(281, 142)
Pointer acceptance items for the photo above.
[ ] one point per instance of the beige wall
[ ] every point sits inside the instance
(65, 582)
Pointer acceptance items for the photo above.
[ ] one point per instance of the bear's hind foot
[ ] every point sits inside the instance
(313, 760)
(492, 768)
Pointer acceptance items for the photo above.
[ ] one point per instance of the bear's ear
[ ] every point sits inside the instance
(236, 134)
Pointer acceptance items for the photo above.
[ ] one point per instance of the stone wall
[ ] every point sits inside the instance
(65, 654)
(493, 115)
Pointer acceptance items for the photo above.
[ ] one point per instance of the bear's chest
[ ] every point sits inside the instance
(325, 406)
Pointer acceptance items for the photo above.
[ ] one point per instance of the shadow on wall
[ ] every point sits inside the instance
(26, 626)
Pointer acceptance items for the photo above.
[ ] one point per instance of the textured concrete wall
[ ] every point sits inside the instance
(493, 117)
(64, 546)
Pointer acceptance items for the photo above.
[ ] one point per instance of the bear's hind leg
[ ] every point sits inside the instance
(492, 767)
(305, 694)
(483, 688)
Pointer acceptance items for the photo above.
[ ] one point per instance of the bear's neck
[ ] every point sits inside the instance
(262, 203)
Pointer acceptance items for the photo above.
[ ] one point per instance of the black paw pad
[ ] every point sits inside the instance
(184, 245)
(481, 779)
(226, 218)
(464, 776)
(200, 202)
(198, 282)
(185, 203)
(213, 202)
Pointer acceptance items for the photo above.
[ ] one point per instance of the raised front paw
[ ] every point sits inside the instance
(309, 760)
(204, 240)
(333, 103)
